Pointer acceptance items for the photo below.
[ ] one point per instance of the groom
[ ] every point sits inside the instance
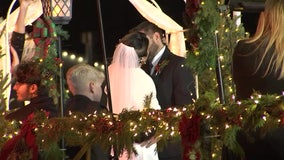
(173, 79)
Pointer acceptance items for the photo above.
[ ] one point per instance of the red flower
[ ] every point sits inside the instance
(160, 66)
(190, 131)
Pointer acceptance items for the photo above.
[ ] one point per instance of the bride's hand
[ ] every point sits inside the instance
(151, 141)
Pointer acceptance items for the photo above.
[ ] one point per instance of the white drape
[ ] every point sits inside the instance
(154, 14)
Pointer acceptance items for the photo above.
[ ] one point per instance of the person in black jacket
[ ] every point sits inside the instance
(258, 67)
(174, 81)
(28, 87)
(84, 82)
(19, 44)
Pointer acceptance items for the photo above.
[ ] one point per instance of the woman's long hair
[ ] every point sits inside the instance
(270, 36)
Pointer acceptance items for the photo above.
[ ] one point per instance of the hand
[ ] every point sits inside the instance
(150, 142)
(27, 2)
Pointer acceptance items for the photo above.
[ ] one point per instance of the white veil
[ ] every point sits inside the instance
(125, 57)
(121, 74)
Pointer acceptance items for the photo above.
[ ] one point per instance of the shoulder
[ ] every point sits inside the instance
(245, 47)
(18, 114)
(240, 44)
(177, 61)
(77, 100)
(142, 75)
(144, 78)
(173, 57)
(47, 104)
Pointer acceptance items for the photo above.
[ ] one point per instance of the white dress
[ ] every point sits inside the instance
(139, 88)
(143, 85)
(129, 85)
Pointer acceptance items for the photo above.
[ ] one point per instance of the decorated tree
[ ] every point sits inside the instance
(212, 35)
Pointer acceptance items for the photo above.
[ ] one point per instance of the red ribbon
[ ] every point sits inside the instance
(43, 34)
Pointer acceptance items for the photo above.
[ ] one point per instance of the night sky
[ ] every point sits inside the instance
(118, 17)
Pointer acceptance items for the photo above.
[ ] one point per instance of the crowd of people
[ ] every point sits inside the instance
(143, 66)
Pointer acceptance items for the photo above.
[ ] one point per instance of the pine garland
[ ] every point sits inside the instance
(213, 34)
(262, 112)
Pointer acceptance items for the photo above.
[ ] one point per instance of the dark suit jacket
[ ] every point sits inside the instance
(175, 88)
(174, 82)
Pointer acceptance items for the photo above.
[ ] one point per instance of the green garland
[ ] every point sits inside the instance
(262, 113)
(213, 34)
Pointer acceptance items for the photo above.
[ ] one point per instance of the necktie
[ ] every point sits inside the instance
(151, 68)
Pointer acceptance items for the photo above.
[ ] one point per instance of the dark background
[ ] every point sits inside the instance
(118, 16)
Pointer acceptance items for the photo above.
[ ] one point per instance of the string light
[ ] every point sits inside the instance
(164, 129)
(73, 56)
(64, 53)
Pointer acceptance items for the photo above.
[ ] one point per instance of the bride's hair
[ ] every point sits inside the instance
(138, 41)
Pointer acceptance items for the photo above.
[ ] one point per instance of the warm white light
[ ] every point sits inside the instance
(72, 56)
(102, 67)
(64, 53)
(237, 14)
(61, 8)
(80, 59)
(60, 11)
(56, 11)
(96, 64)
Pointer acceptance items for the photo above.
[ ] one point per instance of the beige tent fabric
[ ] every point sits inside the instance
(35, 12)
(5, 62)
(154, 14)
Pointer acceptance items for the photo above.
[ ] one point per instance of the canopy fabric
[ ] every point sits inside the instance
(153, 13)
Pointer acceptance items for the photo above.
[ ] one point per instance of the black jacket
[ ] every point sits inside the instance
(245, 59)
(173, 80)
(81, 103)
(36, 104)
(175, 87)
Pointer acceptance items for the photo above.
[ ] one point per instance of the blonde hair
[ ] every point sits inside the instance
(270, 35)
(81, 75)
